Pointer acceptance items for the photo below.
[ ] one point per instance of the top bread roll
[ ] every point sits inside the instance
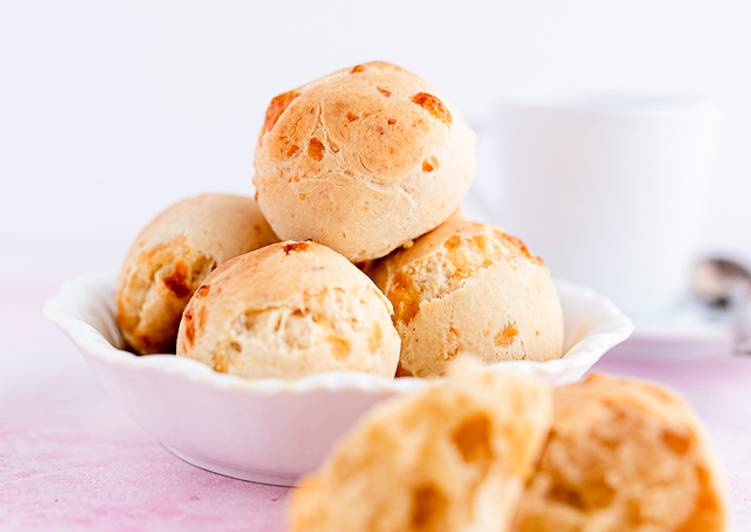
(362, 160)
(170, 258)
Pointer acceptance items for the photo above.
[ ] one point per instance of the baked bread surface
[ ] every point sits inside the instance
(362, 160)
(622, 455)
(451, 457)
(469, 287)
(172, 255)
(288, 310)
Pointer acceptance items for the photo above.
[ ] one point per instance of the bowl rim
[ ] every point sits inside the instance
(92, 343)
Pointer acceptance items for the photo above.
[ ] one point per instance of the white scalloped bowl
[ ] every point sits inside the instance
(274, 430)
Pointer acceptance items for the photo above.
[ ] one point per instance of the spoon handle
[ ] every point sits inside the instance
(741, 305)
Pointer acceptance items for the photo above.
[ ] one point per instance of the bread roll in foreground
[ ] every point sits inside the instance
(289, 310)
(362, 160)
(170, 258)
(469, 287)
(622, 455)
(451, 457)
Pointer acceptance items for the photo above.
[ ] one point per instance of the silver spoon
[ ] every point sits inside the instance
(725, 283)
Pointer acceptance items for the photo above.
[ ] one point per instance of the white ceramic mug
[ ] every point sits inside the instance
(609, 190)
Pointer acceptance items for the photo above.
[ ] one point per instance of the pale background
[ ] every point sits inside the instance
(110, 111)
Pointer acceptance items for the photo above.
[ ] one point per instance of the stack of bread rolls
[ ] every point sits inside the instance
(352, 256)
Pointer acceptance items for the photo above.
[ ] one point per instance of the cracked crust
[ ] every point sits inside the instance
(452, 457)
(362, 160)
(622, 455)
(289, 310)
(170, 258)
(469, 287)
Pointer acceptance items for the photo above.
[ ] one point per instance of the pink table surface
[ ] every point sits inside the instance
(70, 459)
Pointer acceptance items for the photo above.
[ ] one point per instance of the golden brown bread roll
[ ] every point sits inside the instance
(288, 310)
(622, 455)
(362, 160)
(170, 258)
(450, 457)
(469, 287)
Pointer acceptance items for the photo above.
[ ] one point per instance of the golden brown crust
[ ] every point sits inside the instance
(288, 310)
(362, 160)
(172, 255)
(276, 108)
(433, 105)
(157, 288)
(469, 287)
(451, 457)
(622, 455)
